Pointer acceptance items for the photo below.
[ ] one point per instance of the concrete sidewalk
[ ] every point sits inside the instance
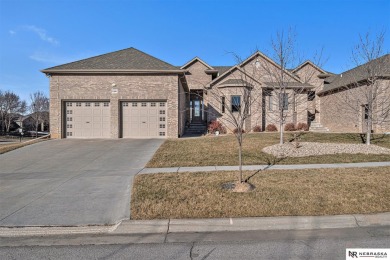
(263, 167)
(165, 226)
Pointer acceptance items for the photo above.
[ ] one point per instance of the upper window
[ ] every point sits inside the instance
(311, 95)
(236, 103)
(283, 101)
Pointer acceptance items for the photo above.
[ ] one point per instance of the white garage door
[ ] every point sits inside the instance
(87, 119)
(144, 119)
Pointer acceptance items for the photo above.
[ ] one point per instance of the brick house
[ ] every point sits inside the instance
(344, 98)
(128, 93)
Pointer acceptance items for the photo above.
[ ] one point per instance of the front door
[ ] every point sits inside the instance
(196, 106)
(196, 110)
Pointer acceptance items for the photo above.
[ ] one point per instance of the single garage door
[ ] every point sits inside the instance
(144, 119)
(87, 119)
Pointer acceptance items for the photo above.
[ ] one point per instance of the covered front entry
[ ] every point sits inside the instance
(144, 119)
(197, 113)
(87, 119)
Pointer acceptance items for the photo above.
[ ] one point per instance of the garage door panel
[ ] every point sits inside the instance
(89, 119)
(142, 119)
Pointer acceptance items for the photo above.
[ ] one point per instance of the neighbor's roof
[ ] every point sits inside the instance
(125, 60)
(381, 64)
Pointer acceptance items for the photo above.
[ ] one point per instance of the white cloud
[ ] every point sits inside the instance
(12, 32)
(41, 33)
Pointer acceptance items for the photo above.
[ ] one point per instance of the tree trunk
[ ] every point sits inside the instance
(369, 116)
(240, 162)
(281, 132)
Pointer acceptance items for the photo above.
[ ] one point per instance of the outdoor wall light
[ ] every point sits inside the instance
(257, 63)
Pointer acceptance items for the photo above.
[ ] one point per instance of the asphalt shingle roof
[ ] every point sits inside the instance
(235, 81)
(381, 65)
(127, 59)
(290, 84)
(222, 69)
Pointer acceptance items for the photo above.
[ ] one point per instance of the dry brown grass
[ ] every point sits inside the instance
(4, 148)
(276, 193)
(222, 150)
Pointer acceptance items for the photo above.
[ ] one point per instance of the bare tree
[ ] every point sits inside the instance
(2, 111)
(39, 108)
(363, 93)
(235, 103)
(12, 107)
(373, 91)
(287, 92)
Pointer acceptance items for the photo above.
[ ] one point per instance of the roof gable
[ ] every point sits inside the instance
(246, 61)
(307, 63)
(122, 60)
(196, 59)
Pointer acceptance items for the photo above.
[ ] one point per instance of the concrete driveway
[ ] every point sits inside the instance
(71, 182)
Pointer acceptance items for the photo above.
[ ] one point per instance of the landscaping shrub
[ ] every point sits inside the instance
(302, 127)
(257, 128)
(289, 127)
(235, 131)
(216, 126)
(271, 128)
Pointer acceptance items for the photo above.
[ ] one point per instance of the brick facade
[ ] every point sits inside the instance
(100, 87)
(139, 76)
(261, 113)
(343, 111)
(196, 76)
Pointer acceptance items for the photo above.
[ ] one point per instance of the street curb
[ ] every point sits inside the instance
(57, 230)
(168, 226)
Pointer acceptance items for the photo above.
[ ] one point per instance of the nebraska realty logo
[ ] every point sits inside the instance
(367, 253)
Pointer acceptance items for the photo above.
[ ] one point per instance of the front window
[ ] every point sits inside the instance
(223, 104)
(236, 103)
(283, 101)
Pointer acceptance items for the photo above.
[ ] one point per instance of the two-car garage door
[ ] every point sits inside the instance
(138, 119)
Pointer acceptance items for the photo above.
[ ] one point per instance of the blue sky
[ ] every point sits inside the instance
(37, 34)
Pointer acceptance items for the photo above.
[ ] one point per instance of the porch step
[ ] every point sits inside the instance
(196, 129)
(317, 127)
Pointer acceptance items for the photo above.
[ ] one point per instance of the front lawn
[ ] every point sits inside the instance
(222, 150)
(276, 193)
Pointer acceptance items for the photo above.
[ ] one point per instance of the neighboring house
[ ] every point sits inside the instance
(345, 97)
(28, 123)
(129, 93)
